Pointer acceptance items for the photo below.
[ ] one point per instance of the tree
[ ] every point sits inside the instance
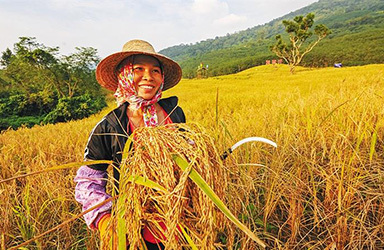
(6, 57)
(33, 67)
(299, 32)
(39, 85)
(28, 68)
(76, 71)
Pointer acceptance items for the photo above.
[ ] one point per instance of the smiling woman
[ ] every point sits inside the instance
(140, 77)
(147, 75)
(137, 75)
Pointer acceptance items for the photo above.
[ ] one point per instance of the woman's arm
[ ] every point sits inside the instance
(90, 191)
(91, 180)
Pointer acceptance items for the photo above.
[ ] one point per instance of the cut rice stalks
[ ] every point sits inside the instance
(159, 194)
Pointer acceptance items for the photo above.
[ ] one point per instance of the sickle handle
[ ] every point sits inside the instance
(226, 153)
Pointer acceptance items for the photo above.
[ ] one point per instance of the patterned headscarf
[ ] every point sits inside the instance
(126, 92)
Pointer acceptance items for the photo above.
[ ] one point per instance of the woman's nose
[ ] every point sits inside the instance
(147, 75)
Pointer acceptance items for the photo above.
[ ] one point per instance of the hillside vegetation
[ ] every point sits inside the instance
(321, 188)
(38, 85)
(357, 39)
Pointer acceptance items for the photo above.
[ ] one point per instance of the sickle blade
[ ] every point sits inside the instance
(245, 140)
(250, 139)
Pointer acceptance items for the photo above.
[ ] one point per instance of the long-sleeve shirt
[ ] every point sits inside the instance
(90, 191)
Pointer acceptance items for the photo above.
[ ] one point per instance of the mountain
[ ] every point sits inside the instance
(357, 38)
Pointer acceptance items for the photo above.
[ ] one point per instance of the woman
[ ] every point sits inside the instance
(137, 75)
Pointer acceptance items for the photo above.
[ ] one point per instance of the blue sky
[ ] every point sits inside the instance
(107, 24)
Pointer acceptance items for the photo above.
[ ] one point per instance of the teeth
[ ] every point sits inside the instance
(146, 87)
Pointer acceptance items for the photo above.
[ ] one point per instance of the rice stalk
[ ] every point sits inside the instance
(64, 166)
(61, 225)
(172, 198)
(209, 192)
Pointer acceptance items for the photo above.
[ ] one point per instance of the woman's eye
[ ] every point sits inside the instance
(138, 69)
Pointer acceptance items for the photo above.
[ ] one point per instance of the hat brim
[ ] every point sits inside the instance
(106, 71)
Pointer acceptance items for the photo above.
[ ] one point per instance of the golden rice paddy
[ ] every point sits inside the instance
(322, 188)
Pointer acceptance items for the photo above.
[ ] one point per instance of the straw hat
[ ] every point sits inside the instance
(106, 71)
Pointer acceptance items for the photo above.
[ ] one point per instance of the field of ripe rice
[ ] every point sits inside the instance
(322, 188)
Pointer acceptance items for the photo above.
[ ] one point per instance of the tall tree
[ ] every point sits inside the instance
(39, 85)
(299, 31)
(76, 71)
(29, 67)
(33, 67)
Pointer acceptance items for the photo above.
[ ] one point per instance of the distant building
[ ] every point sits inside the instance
(274, 61)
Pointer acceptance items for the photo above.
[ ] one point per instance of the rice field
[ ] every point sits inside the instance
(322, 188)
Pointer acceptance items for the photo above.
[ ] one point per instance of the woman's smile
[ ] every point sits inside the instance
(149, 87)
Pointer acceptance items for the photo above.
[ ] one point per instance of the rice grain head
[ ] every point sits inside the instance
(182, 203)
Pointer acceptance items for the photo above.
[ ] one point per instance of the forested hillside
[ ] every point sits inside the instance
(357, 38)
(38, 85)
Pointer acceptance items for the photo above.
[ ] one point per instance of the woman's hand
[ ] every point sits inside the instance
(102, 226)
(107, 232)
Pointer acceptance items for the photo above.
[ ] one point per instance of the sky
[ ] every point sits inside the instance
(107, 24)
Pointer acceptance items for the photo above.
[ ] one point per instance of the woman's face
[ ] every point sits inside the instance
(147, 76)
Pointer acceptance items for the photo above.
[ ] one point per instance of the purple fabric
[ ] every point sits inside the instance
(90, 191)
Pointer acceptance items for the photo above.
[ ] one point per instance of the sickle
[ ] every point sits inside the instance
(245, 140)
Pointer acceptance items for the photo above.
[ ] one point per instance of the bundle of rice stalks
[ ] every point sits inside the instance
(155, 193)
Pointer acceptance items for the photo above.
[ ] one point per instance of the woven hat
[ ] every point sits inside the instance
(106, 71)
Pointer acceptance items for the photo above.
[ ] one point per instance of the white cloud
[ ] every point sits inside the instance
(108, 24)
(91, 5)
(230, 20)
(214, 7)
